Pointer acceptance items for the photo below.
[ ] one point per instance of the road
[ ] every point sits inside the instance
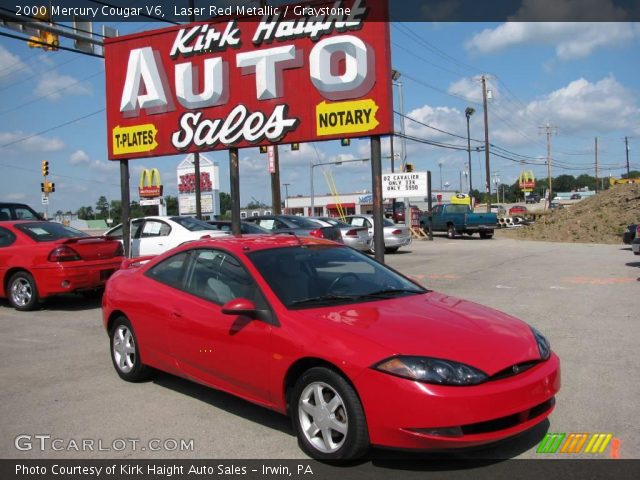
(58, 379)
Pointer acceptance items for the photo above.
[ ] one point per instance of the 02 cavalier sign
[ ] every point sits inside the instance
(245, 82)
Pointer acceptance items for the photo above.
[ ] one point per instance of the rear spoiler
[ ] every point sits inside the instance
(129, 262)
(65, 241)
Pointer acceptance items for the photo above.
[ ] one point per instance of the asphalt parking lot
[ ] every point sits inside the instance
(58, 379)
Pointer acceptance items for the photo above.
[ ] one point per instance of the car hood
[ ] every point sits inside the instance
(439, 326)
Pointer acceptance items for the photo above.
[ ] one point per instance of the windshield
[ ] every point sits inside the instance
(310, 276)
(49, 231)
(335, 222)
(302, 222)
(193, 224)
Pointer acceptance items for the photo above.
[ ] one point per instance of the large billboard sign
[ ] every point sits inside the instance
(314, 72)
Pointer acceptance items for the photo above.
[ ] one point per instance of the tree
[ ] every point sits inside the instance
(102, 207)
(172, 205)
(585, 180)
(225, 203)
(85, 213)
(564, 183)
(632, 174)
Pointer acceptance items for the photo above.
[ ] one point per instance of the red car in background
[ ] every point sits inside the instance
(354, 352)
(39, 259)
(518, 210)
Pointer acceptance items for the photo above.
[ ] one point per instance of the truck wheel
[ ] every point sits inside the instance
(488, 234)
(451, 231)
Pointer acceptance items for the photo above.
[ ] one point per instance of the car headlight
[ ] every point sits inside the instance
(544, 347)
(432, 370)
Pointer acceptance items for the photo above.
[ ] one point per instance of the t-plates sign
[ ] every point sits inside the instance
(396, 185)
(250, 81)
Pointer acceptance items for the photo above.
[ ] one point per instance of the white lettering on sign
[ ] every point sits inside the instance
(214, 91)
(238, 125)
(267, 65)
(396, 185)
(205, 39)
(142, 67)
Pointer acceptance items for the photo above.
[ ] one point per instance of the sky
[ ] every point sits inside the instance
(580, 78)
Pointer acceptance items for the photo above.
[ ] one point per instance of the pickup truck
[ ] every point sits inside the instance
(458, 219)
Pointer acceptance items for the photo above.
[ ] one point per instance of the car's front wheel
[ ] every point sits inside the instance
(125, 352)
(22, 291)
(328, 416)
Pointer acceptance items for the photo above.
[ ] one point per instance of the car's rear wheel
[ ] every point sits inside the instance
(328, 416)
(125, 353)
(451, 231)
(22, 291)
(391, 249)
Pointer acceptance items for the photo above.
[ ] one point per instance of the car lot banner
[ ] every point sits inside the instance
(296, 73)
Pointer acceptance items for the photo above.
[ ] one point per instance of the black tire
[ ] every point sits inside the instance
(636, 253)
(22, 291)
(391, 249)
(451, 232)
(347, 446)
(128, 364)
(486, 235)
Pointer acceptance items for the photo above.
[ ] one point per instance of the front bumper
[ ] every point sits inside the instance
(74, 276)
(405, 414)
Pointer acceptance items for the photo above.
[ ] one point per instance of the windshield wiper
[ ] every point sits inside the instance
(389, 292)
(323, 299)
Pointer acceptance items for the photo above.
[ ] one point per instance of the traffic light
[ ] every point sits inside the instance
(52, 187)
(45, 168)
(42, 187)
(345, 142)
(45, 40)
(409, 167)
(263, 149)
(295, 146)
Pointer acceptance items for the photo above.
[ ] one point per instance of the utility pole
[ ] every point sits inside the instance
(196, 155)
(286, 196)
(626, 147)
(549, 130)
(486, 142)
(596, 164)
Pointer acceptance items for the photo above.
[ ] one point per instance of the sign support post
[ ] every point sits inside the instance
(429, 205)
(234, 182)
(125, 206)
(376, 176)
(276, 209)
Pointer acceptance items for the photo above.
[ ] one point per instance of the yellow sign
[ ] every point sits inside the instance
(527, 181)
(346, 117)
(134, 139)
(153, 187)
(461, 199)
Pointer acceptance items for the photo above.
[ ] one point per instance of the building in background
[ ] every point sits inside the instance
(209, 187)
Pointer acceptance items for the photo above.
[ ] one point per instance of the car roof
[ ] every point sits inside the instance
(246, 243)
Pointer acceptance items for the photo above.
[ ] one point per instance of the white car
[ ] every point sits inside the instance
(156, 235)
(395, 235)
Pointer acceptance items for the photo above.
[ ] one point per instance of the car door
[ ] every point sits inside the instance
(231, 352)
(153, 238)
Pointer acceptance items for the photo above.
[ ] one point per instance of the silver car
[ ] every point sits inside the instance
(358, 238)
(395, 235)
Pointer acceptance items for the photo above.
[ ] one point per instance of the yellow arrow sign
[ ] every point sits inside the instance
(134, 139)
(346, 117)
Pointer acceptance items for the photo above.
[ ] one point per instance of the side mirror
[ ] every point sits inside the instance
(239, 306)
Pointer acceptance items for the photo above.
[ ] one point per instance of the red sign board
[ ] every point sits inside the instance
(315, 72)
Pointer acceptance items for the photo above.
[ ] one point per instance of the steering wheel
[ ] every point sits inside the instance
(340, 278)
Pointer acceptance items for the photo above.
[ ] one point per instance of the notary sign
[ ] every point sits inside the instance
(257, 80)
(396, 185)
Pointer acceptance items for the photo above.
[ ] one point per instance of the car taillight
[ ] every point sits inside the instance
(119, 251)
(352, 233)
(63, 254)
(637, 230)
(316, 233)
(396, 232)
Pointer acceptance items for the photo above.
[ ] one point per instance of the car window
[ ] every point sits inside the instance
(219, 277)
(357, 221)
(155, 228)
(49, 231)
(6, 237)
(302, 222)
(268, 223)
(193, 224)
(5, 214)
(367, 223)
(169, 271)
(23, 213)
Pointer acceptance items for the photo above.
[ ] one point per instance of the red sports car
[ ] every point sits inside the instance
(40, 259)
(354, 352)
(518, 210)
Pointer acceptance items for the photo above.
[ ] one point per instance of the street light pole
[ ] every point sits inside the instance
(467, 113)
(314, 165)
(286, 196)
(440, 165)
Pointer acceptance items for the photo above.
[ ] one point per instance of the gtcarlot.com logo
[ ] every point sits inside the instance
(574, 443)
(45, 442)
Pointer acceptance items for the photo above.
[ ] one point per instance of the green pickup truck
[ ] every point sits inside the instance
(459, 219)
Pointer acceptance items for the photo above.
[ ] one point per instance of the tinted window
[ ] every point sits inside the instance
(24, 213)
(5, 214)
(49, 231)
(6, 237)
(117, 232)
(302, 222)
(170, 270)
(335, 223)
(457, 209)
(193, 224)
(311, 276)
(220, 277)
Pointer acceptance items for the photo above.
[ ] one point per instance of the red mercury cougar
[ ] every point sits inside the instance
(354, 352)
